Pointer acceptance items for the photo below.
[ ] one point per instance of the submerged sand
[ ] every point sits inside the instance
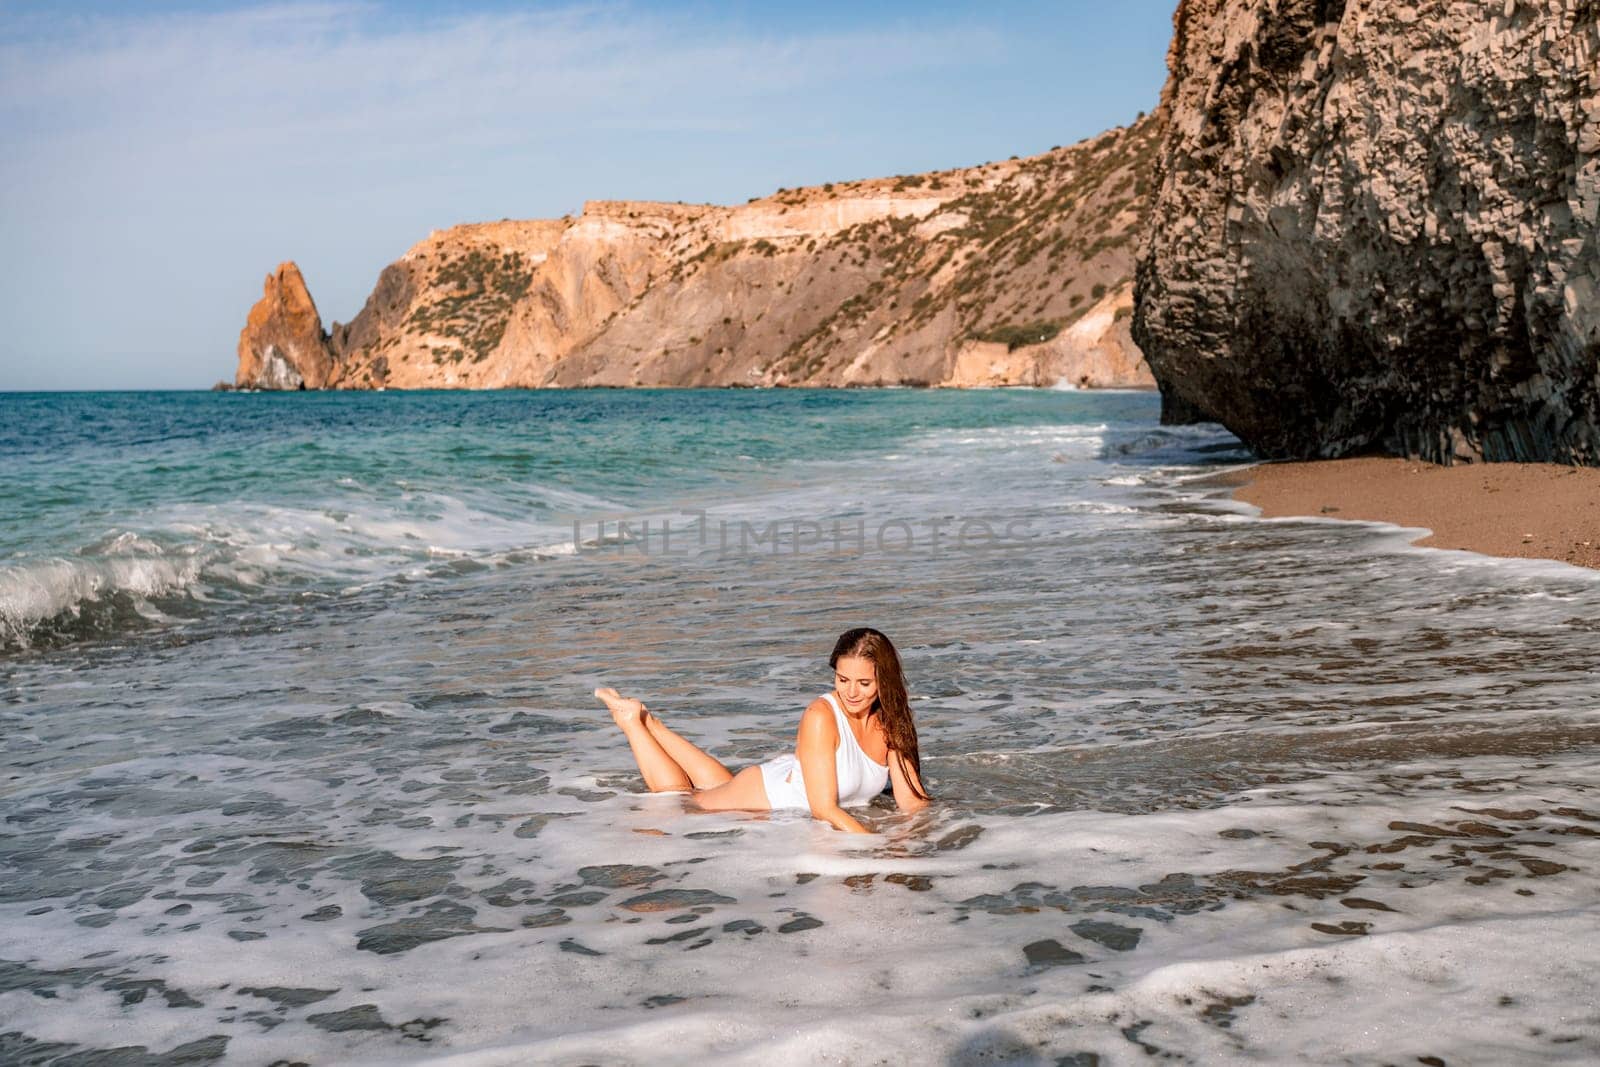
(1526, 510)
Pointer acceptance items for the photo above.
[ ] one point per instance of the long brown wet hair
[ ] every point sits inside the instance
(866, 643)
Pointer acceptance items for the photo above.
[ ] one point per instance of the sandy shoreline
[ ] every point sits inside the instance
(1520, 510)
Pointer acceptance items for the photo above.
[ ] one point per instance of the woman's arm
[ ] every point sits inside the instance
(903, 776)
(815, 746)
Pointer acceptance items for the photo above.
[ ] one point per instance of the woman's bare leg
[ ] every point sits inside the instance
(661, 772)
(703, 769)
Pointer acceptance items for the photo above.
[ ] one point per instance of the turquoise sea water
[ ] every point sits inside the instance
(120, 508)
(300, 762)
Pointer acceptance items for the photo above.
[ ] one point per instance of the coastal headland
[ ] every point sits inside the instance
(1017, 272)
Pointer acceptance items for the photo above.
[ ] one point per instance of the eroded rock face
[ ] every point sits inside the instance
(1095, 352)
(1376, 227)
(282, 345)
(885, 281)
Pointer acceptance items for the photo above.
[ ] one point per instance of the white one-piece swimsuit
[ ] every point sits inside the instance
(859, 778)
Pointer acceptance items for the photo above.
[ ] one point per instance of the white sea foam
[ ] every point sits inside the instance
(892, 965)
(47, 589)
(203, 553)
(1207, 790)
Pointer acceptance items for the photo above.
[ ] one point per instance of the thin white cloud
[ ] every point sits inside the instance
(352, 78)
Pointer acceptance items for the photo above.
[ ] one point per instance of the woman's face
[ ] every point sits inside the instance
(856, 680)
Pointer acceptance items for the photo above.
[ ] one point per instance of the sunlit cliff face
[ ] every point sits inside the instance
(1016, 272)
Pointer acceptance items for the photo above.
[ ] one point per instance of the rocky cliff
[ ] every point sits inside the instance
(283, 345)
(1375, 227)
(1015, 272)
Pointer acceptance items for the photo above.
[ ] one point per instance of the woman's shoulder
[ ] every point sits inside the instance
(820, 706)
(819, 716)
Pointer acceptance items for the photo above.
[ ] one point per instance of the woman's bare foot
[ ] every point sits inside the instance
(624, 710)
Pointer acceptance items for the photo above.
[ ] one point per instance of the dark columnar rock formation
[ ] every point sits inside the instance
(1375, 227)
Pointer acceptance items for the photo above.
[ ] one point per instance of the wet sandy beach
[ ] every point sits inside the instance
(1514, 510)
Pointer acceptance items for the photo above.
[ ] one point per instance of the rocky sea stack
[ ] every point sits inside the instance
(1375, 227)
(283, 345)
(1018, 272)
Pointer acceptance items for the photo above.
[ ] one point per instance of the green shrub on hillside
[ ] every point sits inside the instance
(1014, 337)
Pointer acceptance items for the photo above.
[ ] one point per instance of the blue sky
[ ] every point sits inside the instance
(160, 159)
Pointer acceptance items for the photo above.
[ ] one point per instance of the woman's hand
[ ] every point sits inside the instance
(840, 819)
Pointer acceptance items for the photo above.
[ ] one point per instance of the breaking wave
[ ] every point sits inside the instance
(199, 559)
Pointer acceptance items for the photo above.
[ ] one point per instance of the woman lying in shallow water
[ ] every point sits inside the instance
(851, 741)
